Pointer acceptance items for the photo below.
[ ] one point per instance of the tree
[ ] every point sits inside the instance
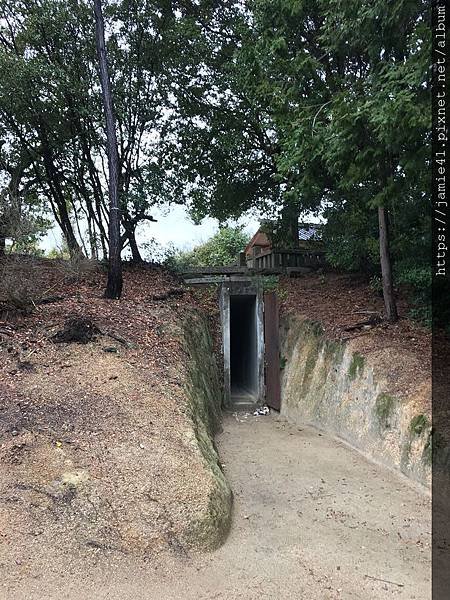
(375, 129)
(33, 108)
(21, 220)
(303, 111)
(50, 104)
(283, 106)
(221, 249)
(115, 281)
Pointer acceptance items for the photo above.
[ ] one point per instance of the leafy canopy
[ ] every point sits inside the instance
(221, 249)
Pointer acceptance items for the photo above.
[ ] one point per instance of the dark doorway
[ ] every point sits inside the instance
(243, 349)
(272, 350)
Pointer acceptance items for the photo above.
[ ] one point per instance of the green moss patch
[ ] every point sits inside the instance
(427, 455)
(356, 366)
(204, 391)
(384, 407)
(334, 351)
(315, 328)
(418, 424)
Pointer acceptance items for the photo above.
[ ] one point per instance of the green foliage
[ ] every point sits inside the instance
(326, 109)
(50, 107)
(351, 237)
(155, 252)
(21, 220)
(221, 249)
(284, 106)
(270, 283)
(28, 245)
(60, 252)
(417, 279)
(376, 284)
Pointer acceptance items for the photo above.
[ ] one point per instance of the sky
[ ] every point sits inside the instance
(173, 227)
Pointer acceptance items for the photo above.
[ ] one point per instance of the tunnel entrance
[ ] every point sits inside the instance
(243, 349)
(242, 317)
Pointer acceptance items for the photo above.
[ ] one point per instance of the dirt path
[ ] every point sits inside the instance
(313, 520)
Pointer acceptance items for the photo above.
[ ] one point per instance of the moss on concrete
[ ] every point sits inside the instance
(418, 424)
(312, 333)
(205, 394)
(310, 364)
(315, 328)
(356, 366)
(328, 383)
(334, 350)
(427, 455)
(418, 427)
(384, 408)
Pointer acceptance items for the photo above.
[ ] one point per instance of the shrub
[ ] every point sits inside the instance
(18, 291)
(221, 249)
(417, 281)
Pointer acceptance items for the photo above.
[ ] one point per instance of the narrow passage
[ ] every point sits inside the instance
(313, 520)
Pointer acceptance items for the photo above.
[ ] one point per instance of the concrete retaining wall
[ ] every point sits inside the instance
(331, 386)
(205, 393)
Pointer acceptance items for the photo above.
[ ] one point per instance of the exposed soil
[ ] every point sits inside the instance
(340, 302)
(96, 447)
(98, 477)
(313, 519)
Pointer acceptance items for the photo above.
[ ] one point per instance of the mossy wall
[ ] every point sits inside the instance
(330, 385)
(205, 393)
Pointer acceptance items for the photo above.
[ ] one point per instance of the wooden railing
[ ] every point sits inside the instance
(287, 259)
(268, 262)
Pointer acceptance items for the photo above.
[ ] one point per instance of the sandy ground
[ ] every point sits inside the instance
(313, 519)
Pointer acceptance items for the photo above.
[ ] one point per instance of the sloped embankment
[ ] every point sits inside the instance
(108, 446)
(330, 384)
(204, 391)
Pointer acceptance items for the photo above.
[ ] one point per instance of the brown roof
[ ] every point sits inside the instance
(259, 239)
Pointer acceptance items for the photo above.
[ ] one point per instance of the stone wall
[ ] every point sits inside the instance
(330, 385)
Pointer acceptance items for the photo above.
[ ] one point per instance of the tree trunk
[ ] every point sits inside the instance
(2, 246)
(92, 238)
(130, 235)
(386, 269)
(115, 282)
(290, 216)
(135, 254)
(59, 205)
